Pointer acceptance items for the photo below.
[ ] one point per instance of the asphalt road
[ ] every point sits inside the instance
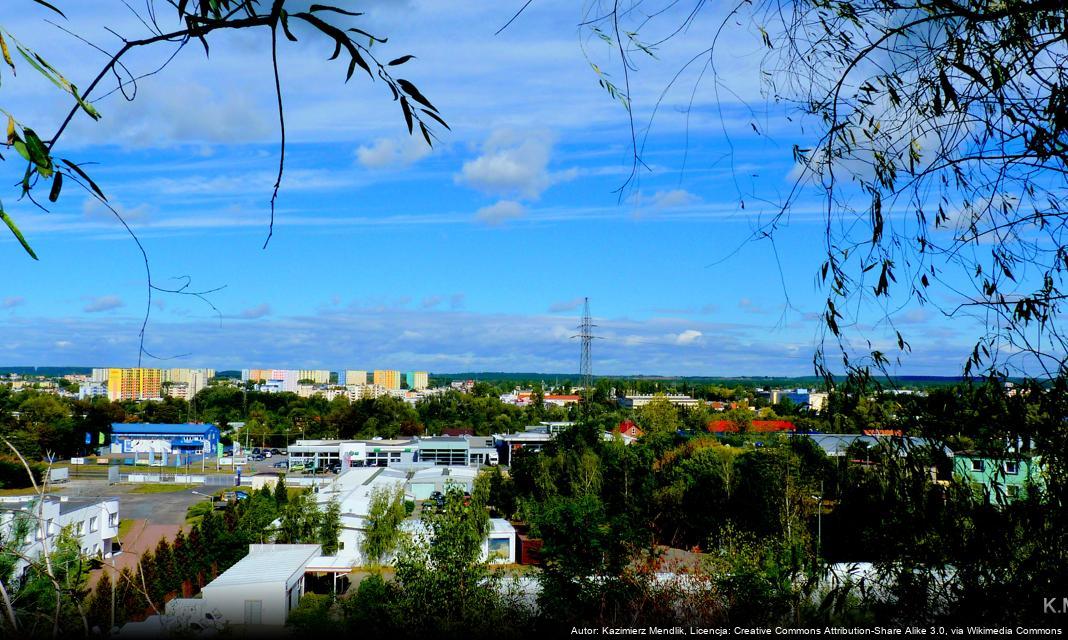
(156, 508)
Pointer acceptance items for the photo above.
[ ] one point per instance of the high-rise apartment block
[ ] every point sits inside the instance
(353, 376)
(317, 376)
(134, 384)
(387, 378)
(255, 375)
(417, 380)
(185, 383)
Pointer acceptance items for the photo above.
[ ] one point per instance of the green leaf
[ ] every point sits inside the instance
(15, 230)
(92, 185)
(86, 107)
(373, 38)
(33, 63)
(357, 59)
(426, 134)
(322, 7)
(38, 152)
(45, 4)
(20, 146)
(284, 19)
(436, 117)
(410, 89)
(57, 186)
(407, 112)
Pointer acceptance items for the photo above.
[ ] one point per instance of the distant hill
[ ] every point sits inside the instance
(745, 381)
(47, 371)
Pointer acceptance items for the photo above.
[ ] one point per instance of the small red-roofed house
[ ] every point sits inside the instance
(629, 429)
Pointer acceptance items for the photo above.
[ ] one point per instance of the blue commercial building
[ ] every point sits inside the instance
(143, 437)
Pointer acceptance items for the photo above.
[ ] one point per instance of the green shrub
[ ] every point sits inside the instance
(312, 614)
(13, 474)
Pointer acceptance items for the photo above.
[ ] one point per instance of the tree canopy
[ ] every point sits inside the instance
(930, 136)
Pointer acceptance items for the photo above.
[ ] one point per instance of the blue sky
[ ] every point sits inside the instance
(471, 256)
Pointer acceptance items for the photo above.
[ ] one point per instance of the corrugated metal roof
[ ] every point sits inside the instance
(120, 428)
(500, 525)
(267, 563)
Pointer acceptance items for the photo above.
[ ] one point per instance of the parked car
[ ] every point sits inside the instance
(276, 452)
(281, 465)
(255, 449)
(267, 454)
(296, 467)
(438, 499)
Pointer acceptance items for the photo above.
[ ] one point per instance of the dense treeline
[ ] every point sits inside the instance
(770, 519)
(39, 423)
(774, 531)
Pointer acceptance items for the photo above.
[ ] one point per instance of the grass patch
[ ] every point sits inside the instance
(125, 524)
(196, 512)
(163, 488)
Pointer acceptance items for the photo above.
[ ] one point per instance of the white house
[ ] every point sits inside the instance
(95, 521)
(352, 489)
(263, 587)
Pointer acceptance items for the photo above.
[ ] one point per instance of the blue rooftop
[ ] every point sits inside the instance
(119, 428)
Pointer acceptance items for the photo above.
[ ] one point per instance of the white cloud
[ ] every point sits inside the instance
(511, 165)
(673, 198)
(258, 311)
(689, 336)
(164, 115)
(666, 199)
(63, 344)
(11, 302)
(103, 303)
(92, 208)
(500, 212)
(387, 153)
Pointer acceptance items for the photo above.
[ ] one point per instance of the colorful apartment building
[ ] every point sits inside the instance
(135, 384)
(417, 380)
(387, 378)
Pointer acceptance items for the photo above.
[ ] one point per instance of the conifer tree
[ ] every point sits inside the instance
(281, 493)
(99, 604)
